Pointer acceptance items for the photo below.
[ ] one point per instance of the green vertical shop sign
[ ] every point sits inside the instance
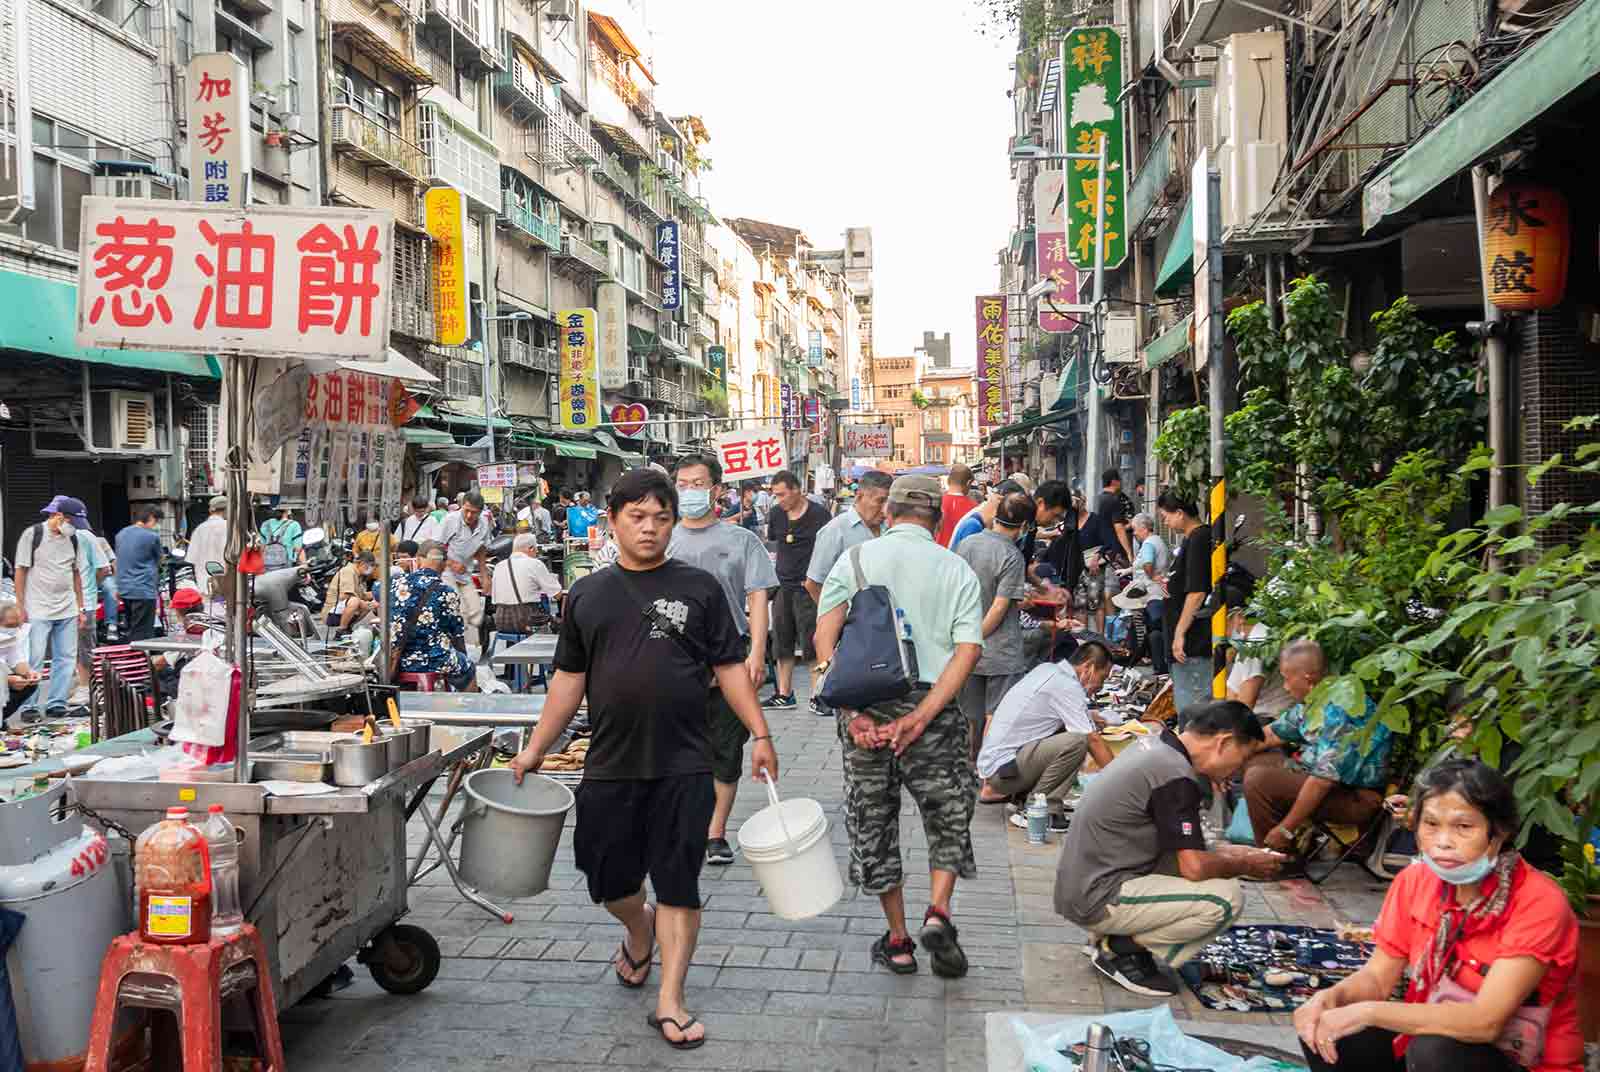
(1091, 67)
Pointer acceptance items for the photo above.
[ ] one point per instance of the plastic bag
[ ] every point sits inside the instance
(200, 714)
(1169, 1046)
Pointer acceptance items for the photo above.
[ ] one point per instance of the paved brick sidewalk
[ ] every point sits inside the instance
(774, 995)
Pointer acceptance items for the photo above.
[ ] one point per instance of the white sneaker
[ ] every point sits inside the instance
(1018, 820)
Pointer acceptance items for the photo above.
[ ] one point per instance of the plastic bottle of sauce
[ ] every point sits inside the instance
(172, 877)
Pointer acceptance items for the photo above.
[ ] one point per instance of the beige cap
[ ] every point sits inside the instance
(915, 490)
(219, 502)
(1025, 480)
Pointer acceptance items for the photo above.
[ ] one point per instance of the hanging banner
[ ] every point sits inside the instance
(790, 418)
(333, 492)
(814, 349)
(717, 363)
(277, 412)
(1091, 68)
(668, 254)
(218, 111)
(503, 475)
(751, 452)
(1050, 250)
(579, 381)
(316, 470)
(868, 440)
(629, 418)
(444, 213)
(855, 392)
(402, 404)
(813, 410)
(991, 373)
(611, 303)
(196, 278)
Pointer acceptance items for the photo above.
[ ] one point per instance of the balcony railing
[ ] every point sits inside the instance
(514, 351)
(517, 213)
(612, 171)
(519, 87)
(636, 97)
(363, 139)
(653, 193)
(457, 156)
(576, 249)
(701, 324)
(472, 22)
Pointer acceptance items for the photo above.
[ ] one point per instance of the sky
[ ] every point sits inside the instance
(849, 113)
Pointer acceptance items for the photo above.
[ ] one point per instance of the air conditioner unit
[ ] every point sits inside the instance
(123, 420)
(147, 479)
(560, 10)
(144, 187)
(1118, 345)
(1250, 122)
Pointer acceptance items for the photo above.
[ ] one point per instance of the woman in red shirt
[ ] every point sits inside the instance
(1490, 942)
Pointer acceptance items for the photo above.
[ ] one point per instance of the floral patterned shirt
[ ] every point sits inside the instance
(1339, 750)
(440, 630)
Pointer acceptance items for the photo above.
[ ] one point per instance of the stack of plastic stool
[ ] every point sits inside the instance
(422, 682)
(193, 983)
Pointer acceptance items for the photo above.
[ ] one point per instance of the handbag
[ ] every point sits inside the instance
(1522, 1037)
(872, 663)
(519, 617)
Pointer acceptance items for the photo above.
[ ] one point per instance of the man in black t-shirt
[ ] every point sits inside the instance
(643, 641)
(1187, 584)
(792, 527)
(1111, 506)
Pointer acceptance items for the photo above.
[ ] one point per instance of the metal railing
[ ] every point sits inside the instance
(577, 249)
(638, 98)
(520, 84)
(611, 168)
(522, 216)
(361, 137)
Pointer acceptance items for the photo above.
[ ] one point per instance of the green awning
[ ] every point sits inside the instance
(564, 448)
(1152, 176)
(640, 338)
(1529, 86)
(1176, 271)
(450, 416)
(50, 323)
(1067, 395)
(1169, 344)
(429, 437)
(1010, 431)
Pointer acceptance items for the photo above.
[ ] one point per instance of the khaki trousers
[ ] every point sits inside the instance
(1048, 765)
(1170, 916)
(1271, 786)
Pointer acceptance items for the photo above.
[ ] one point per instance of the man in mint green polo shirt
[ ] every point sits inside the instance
(919, 742)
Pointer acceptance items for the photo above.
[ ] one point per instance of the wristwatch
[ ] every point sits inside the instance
(822, 667)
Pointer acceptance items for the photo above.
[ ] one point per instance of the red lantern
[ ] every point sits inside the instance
(1526, 247)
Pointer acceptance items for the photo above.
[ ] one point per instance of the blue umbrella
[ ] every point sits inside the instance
(10, 1044)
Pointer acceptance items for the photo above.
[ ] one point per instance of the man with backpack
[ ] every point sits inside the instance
(917, 738)
(282, 536)
(52, 561)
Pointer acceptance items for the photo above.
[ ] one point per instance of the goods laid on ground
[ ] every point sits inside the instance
(569, 760)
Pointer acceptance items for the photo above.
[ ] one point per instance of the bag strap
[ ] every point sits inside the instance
(855, 565)
(511, 568)
(408, 628)
(649, 610)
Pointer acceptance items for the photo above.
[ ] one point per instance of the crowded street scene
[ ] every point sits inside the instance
(636, 534)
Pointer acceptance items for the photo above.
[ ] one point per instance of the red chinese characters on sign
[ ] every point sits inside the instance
(212, 88)
(240, 286)
(991, 351)
(337, 271)
(135, 260)
(751, 452)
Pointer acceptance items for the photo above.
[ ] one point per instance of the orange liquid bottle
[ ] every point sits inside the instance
(172, 877)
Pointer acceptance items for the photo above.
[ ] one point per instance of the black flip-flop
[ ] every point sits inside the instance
(939, 938)
(635, 965)
(884, 951)
(660, 1022)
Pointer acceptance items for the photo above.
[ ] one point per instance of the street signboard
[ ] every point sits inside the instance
(1202, 260)
(751, 452)
(717, 363)
(868, 440)
(218, 111)
(196, 278)
(1050, 249)
(791, 418)
(855, 392)
(444, 214)
(629, 418)
(667, 253)
(993, 405)
(579, 390)
(1091, 69)
(612, 301)
(499, 475)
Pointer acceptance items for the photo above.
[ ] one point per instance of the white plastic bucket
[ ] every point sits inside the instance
(509, 832)
(787, 846)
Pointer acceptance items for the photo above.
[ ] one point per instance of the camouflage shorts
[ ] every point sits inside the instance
(935, 771)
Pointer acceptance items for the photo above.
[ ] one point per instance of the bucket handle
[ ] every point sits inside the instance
(772, 795)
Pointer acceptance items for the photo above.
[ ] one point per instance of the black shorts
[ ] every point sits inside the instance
(728, 737)
(629, 829)
(794, 620)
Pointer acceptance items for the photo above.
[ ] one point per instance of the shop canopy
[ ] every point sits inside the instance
(451, 416)
(1023, 427)
(564, 448)
(1169, 344)
(1177, 266)
(428, 437)
(50, 321)
(1530, 85)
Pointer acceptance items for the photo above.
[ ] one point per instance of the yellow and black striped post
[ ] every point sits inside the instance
(1219, 566)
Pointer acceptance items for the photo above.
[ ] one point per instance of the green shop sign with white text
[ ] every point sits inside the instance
(1091, 67)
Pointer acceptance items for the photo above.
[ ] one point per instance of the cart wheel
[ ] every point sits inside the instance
(404, 959)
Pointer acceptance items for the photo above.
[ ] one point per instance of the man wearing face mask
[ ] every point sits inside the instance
(350, 596)
(1002, 583)
(736, 558)
(1341, 773)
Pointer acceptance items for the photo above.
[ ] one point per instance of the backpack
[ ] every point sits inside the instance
(872, 663)
(276, 552)
(38, 538)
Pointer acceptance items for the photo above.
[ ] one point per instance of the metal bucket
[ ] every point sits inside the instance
(509, 832)
(399, 744)
(422, 743)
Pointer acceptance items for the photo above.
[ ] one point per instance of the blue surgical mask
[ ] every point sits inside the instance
(1464, 874)
(694, 502)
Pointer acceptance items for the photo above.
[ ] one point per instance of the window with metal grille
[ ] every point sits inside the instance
(464, 379)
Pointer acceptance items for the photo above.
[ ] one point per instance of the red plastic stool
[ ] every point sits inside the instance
(192, 982)
(421, 682)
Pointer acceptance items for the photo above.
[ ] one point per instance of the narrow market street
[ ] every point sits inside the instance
(539, 992)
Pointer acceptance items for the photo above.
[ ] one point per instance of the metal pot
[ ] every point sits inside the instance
(357, 763)
(399, 744)
(422, 742)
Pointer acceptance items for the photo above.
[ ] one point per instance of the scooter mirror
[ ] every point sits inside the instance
(214, 569)
(313, 537)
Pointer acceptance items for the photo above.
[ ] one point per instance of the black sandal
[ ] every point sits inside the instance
(884, 951)
(660, 1022)
(939, 938)
(635, 965)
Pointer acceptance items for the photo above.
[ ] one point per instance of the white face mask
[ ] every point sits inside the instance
(372, 526)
